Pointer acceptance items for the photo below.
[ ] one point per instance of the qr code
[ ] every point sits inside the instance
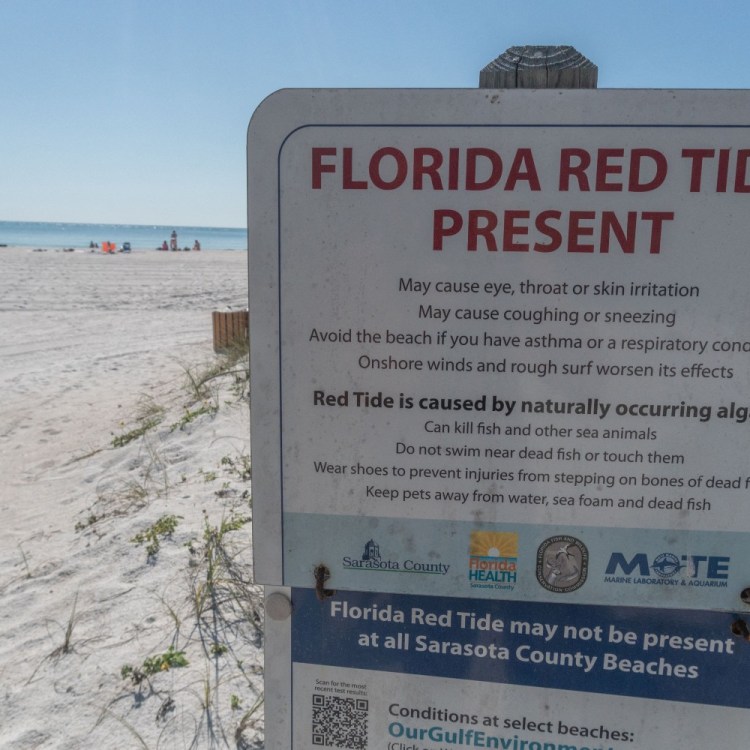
(339, 722)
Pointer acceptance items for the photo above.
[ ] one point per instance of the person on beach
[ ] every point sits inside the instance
(164, 246)
(173, 241)
(196, 246)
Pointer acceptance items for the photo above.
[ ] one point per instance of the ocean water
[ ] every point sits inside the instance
(39, 234)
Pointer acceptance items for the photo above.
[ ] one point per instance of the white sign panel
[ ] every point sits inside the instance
(501, 343)
(367, 671)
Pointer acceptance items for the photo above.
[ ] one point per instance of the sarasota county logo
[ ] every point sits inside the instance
(493, 560)
(562, 564)
(373, 560)
(372, 551)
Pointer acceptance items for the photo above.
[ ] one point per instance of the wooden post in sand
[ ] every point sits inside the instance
(533, 67)
(230, 327)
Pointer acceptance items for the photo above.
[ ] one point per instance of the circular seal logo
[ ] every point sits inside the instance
(666, 565)
(562, 564)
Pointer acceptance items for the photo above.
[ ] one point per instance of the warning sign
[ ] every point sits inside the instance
(500, 343)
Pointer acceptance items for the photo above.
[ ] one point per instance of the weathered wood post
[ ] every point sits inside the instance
(534, 67)
(230, 328)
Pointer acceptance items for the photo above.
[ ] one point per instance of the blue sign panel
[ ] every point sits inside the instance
(670, 655)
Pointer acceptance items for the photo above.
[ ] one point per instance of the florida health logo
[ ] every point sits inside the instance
(493, 560)
(371, 559)
(668, 569)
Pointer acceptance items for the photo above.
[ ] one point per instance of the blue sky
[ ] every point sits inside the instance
(135, 111)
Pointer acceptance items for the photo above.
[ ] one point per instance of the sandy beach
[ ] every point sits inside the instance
(128, 617)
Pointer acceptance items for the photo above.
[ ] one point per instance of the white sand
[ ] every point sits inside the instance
(87, 342)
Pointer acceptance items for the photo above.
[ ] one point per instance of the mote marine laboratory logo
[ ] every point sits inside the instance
(562, 564)
(372, 560)
(668, 569)
(493, 560)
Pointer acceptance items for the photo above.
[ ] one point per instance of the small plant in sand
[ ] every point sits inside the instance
(152, 665)
(224, 491)
(224, 599)
(118, 441)
(133, 494)
(233, 362)
(198, 381)
(221, 579)
(125, 498)
(237, 365)
(67, 643)
(190, 415)
(252, 719)
(238, 466)
(217, 649)
(162, 528)
(90, 520)
(148, 416)
(122, 500)
(25, 560)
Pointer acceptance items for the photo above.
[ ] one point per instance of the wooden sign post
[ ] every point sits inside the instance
(532, 67)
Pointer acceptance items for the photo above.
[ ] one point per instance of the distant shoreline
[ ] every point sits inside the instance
(60, 235)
